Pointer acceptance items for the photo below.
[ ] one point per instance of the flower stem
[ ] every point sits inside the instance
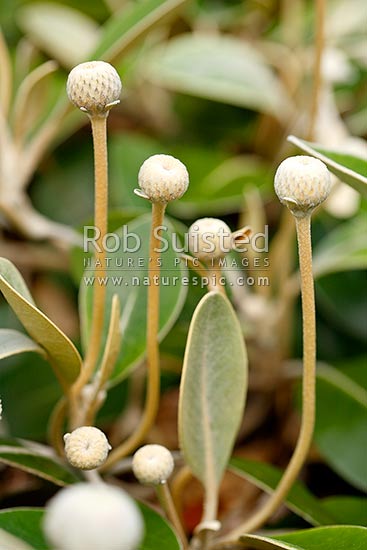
(99, 130)
(153, 370)
(165, 498)
(303, 227)
(215, 277)
(317, 76)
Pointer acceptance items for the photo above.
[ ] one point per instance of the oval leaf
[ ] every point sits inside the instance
(131, 24)
(213, 388)
(129, 282)
(36, 460)
(63, 355)
(13, 342)
(226, 69)
(158, 533)
(342, 249)
(299, 498)
(340, 431)
(348, 168)
(344, 537)
(48, 24)
(26, 524)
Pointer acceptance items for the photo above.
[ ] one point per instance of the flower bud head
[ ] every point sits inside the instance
(93, 516)
(153, 464)
(209, 239)
(163, 178)
(94, 87)
(86, 448)
(302, 183)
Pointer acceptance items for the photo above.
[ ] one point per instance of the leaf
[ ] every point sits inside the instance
(25, 523)
(158, 533)
(342, 249)
(129, 282)
(35, 459)
(217, 67)
(132, 23)
(348, 168)
(63, 355)
(65, 33)
(340, 430)
(13, 342)
(299, 498)
(213, 389)
(347, 509)
(344, 537)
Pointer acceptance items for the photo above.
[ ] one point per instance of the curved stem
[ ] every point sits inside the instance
(317, 76)
(165, 498)
(153, 374)
(215, 277)
(99, 130)
(308, 389)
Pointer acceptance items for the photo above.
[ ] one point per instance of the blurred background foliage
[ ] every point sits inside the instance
(220, 84)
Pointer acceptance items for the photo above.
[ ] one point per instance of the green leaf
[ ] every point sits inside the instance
(129, 282)
(342, 249)
(13, 342)
(299, 498)
(347, 509)
(66, 34)
(26, 524)
(348, 168)
(213, 389)
(217, 67)
(344, 537)
(35, 459)
(63, 355)
(130, 24)
(158, 533)
(341, 424)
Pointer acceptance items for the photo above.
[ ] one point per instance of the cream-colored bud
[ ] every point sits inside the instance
(302, 183)
(93, 516)
(94, 87)
(86, 448)
(152, 464)
(209, 239)
(163, 178)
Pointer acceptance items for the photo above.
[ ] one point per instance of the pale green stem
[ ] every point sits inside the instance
(153, 370)
(99, 129)
(308, 390)
(166, 501)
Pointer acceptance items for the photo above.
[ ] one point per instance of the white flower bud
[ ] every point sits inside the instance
(86, 448)
(152, 464)
(302, 183)
(209, 239)
(94, 87)
(93, 516)
(162, 178)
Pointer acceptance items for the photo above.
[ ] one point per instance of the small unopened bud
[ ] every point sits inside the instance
(209, 239)
(152, 464)
(86, 448)
(94, 87)
(162, 178)
(302, 183)
(93, 516)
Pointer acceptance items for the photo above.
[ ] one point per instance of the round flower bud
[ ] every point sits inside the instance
(302, 183)
(152, 464)
(93, 516)
(94, 87)
(163, 178)
(209, 239)
(86, 448)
